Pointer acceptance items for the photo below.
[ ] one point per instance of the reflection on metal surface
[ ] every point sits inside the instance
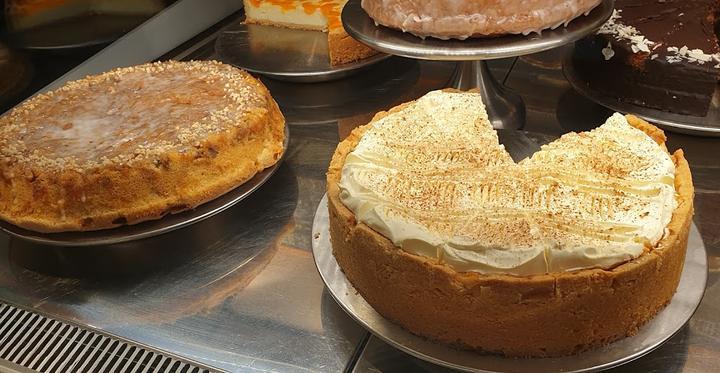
(709, 125)
(665, 324)
(167, 30)
(285, 54)
(237, 291)
(165, 278)
(151, 228)
(77, 32)
(357, 95)
(519, 144)
(16, 73)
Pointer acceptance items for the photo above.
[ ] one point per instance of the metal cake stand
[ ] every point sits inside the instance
(709, 125)
(284, 54)
(665, 324)
(168, 223)
(506, 109)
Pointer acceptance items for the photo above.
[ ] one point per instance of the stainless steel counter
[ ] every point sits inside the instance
(240, 292)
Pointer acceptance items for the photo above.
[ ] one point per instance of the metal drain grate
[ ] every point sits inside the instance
(39, 343)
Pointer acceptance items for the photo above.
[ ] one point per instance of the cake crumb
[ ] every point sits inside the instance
(608, 52)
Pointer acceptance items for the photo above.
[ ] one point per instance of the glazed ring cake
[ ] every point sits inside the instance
(134, 144)
(461, 19)
(570, 249)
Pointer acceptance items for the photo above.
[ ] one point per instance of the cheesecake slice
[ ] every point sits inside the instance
(314, 15)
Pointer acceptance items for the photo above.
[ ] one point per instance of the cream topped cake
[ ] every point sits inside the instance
(444, 190)
(319, 15)
(572, 248)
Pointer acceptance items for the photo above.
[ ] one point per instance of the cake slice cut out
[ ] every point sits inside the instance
(567, 250)
(432, 177)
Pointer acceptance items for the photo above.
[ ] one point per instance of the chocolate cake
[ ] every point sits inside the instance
(661, 54)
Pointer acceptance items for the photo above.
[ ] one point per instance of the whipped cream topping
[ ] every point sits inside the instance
(434, 180)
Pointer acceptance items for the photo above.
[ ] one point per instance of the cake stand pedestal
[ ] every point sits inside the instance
(506, 109)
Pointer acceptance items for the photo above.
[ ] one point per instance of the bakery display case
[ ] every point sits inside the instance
(241, 290)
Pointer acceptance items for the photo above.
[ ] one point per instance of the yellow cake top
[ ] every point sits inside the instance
(330, 9)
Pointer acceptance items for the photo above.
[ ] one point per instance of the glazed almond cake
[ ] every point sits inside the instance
(462, 19)
(442, 232)
(134, 144)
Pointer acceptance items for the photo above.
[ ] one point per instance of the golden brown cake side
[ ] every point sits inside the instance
(137, 183)
(541, 315)
(344, 49)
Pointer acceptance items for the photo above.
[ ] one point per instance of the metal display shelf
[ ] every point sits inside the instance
(239, 291)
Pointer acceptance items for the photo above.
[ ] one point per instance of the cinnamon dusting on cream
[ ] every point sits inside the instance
(434, 180)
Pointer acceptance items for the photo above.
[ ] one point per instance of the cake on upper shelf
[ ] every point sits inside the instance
(316, 15)
(658, 54)
(460, 19)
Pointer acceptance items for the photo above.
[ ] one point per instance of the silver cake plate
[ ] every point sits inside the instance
(708, 125)
(168, 223)
(665, 324)
(506, 108)
(363, 28)
(284, 54)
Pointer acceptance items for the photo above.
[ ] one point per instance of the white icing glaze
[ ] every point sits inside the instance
(460, 19)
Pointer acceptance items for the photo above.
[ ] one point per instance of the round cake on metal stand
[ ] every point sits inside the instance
(151, 228)
(666, 323)
(506, 109)
(708, 125)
